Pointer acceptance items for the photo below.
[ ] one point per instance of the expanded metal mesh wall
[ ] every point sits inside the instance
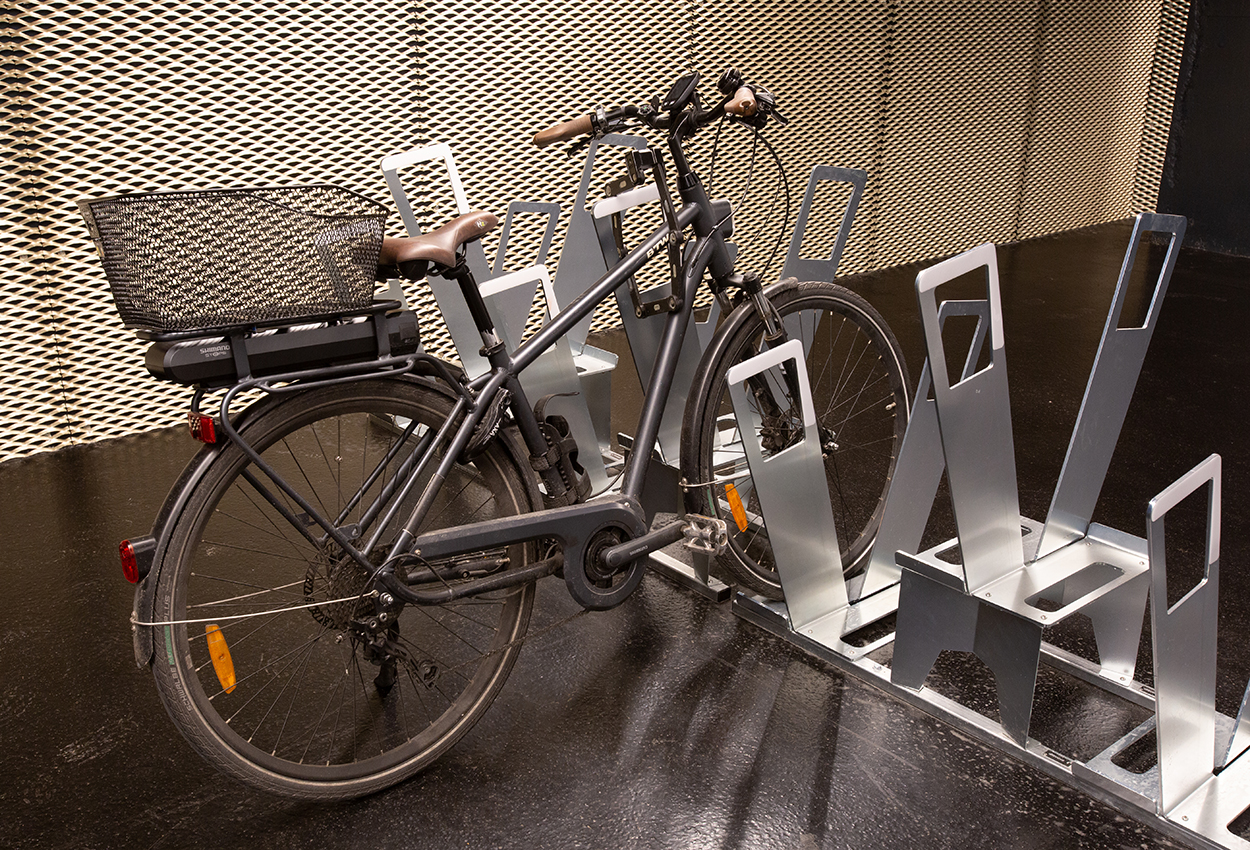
(975, 121)
(107, 97)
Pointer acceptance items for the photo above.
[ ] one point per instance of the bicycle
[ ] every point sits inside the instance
(340, 582)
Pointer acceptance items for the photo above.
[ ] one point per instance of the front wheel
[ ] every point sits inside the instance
(859, 393)
(262, 662)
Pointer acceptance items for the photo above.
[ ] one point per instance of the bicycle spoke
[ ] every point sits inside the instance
(253, 551)
(315, 690)
(260, 590)
(287, 657)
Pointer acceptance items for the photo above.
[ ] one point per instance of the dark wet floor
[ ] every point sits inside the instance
(667, 722)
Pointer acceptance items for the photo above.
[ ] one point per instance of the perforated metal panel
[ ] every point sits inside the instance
(975, 121)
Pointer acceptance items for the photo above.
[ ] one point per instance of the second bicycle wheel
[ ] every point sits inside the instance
(262, 662)
(859, 391)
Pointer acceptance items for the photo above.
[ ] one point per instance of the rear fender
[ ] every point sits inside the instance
(175, 501)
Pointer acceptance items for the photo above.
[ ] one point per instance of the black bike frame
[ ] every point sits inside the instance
(504, 375)
(572, 525)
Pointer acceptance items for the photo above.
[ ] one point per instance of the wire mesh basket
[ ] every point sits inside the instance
(179, 261)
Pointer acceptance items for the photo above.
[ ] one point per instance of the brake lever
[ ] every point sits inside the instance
(766, 105)
(578, 146)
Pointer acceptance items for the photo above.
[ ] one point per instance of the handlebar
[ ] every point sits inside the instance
(745, 103)
(564, 131)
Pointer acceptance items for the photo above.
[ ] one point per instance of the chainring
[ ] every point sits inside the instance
(594, 584)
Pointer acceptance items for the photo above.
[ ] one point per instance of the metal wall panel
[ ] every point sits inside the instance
(975, 121)
(145, 96)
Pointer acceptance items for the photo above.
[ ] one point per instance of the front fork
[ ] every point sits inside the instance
(775, 334)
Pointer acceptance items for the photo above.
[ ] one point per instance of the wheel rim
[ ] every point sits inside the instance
(306, 703)
(861, 404)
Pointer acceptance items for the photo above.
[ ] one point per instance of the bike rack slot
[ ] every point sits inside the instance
(516, 208)
(1183, 638)
(994, 588)
(509, 300)
(1108, 393)
(794, 496)
(801, 268)
(987, 604)
(918, 471)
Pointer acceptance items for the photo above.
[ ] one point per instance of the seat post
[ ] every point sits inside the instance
(463, 276)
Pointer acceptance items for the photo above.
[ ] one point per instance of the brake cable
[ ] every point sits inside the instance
(785, 182)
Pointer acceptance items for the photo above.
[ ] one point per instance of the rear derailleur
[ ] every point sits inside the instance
(378, 638)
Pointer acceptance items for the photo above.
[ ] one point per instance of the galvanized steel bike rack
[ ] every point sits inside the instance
(509, 298)
(995, 587)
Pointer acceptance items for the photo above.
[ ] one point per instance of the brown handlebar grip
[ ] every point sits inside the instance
(566, 130)
(743, 103)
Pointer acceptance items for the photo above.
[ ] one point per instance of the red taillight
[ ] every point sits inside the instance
(136, 557)
(203, 428)
(130, 561)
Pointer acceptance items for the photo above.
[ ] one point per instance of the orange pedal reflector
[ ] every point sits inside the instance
(735, 506)
(220, 653)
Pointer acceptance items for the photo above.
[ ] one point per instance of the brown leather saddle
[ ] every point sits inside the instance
(410, 256)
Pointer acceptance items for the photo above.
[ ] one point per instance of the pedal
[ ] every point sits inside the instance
(705, 538)
(705, 534)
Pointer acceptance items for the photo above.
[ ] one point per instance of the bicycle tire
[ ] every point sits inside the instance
(307, 717)
(859, 386)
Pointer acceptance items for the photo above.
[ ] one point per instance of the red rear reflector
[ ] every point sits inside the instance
(203, 428)
(130, 562)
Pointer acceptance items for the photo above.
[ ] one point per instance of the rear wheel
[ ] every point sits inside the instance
(265, 668)
(859, 391)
